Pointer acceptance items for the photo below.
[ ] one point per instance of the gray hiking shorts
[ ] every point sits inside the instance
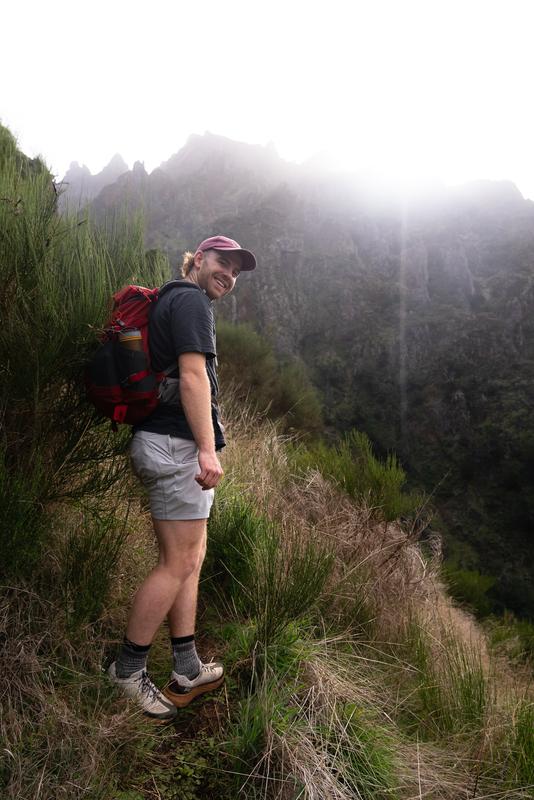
(167, 466)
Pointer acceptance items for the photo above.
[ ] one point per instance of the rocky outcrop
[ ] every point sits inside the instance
(79, 186)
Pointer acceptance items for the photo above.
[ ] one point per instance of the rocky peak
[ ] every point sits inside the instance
(211, 151)
(80, 186)
(139, 169)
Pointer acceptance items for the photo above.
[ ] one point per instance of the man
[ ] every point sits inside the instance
(174, 453)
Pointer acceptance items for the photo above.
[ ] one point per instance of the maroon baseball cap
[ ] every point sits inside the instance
(248, 259)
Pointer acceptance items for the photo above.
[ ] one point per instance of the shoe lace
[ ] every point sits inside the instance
(148, 688)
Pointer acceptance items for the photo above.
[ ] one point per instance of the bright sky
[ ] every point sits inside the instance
(413, 88)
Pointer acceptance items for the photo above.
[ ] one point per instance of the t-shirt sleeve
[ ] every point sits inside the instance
(192, 325)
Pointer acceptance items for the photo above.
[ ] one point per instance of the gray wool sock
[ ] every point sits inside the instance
(131, 658)
(186, 660)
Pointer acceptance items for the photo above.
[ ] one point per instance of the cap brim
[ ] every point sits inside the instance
(248, 259)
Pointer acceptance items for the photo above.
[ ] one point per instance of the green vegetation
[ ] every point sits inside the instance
(88, 555)
(451, 687)
(470, 588)
(512, 636)
(271, 576)
(354, 467)
(349, 671)
(279, 390)
(58, 274)
(521, 756)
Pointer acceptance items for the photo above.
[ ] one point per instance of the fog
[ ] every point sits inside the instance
(434, 91)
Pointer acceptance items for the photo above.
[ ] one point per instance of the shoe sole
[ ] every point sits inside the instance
(158, 720)
(183, 700)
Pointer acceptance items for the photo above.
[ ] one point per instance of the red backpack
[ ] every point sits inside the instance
(119, 379)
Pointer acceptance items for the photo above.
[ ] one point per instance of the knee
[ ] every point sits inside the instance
(194, 563)
(187, 564)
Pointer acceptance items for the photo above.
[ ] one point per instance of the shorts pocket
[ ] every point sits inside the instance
(184, 450)
(150, 457)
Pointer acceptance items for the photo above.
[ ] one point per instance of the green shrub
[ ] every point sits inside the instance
(470, 587)
(280, 390)
(296, 400)
(23, 526)
(57, 275)
(353, 466)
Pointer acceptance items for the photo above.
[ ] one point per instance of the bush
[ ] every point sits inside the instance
(280, 390)
(353, 466)
(23, 526)
(470, 587)
(57, 274)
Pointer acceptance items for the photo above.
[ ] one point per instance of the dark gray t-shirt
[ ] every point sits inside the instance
(181, 322)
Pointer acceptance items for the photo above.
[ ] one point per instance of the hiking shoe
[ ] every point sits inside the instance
(140, 688)
(181, 691)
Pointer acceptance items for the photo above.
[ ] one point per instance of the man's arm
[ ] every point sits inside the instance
(195, 394)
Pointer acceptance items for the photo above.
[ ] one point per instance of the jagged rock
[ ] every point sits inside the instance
(79, 186)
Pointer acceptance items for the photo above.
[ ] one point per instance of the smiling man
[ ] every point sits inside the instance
(174, 453)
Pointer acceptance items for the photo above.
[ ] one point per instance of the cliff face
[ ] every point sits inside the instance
(414, 317)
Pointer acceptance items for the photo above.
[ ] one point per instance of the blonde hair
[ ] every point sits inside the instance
(187, 263)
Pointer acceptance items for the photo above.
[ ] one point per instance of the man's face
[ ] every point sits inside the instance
(217, 272)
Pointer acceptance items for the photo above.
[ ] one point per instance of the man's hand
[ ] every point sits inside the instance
(211, 471)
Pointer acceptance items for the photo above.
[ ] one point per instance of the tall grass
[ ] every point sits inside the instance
(271, 575)
(57, 276)
(88, 556)
(452, 691)
(521, 758)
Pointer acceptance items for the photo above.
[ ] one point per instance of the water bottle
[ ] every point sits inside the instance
(131, 338)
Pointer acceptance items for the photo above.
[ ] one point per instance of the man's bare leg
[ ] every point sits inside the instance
(183, 612)
(182, 546)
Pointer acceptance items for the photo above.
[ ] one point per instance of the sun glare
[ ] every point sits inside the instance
(412, 89)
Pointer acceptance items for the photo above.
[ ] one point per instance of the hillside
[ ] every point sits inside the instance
(350, 673)
(413, 315)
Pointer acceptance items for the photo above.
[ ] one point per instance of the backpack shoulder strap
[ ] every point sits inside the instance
(173, 284)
